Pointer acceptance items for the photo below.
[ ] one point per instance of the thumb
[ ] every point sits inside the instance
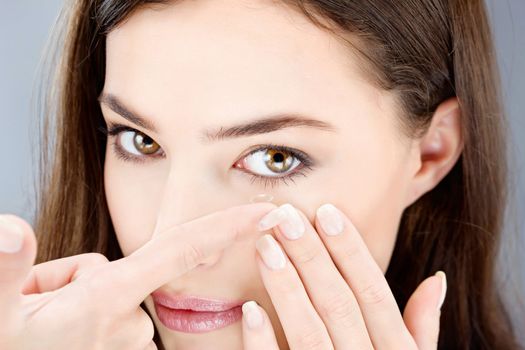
(17, 255)
(423, 311)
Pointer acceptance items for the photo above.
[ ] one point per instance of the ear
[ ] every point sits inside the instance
(436, 152)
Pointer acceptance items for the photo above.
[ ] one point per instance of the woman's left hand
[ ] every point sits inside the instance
(329, 293)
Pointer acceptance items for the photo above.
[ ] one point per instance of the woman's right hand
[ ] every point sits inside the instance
(85, 301)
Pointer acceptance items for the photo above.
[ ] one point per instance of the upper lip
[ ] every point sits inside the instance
(194, 303)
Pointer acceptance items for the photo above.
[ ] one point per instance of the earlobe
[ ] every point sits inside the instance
(438, 149)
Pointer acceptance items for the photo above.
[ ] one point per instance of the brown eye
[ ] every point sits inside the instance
(278, 161)
(270, 162)
(145, 144)
(135, 143)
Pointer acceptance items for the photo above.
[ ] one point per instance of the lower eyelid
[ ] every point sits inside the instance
(301, 171)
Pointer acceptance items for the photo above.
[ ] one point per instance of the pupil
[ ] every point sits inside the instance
(278, 157)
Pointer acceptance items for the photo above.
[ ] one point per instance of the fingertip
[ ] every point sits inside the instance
(422, 313)
(252, 315)
(17, 254)
(257, 328)
(443, 290)
(11, 235)
(23, 229)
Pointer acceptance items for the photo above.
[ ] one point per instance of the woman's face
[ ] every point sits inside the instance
(198, 67)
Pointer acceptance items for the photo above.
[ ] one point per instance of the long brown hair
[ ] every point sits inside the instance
(423, 51)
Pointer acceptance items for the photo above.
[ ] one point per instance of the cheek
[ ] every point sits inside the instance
(378, 193)
(368, 183)
(130, 204)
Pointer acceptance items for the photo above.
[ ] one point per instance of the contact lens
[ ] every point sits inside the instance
(263, 197)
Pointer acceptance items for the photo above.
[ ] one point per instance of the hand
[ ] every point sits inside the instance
(87, 302)
(329, 292)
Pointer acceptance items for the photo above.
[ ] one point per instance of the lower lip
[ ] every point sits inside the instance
(189, 321)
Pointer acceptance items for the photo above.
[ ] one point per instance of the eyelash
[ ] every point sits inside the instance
(307, 164)
(114, 130)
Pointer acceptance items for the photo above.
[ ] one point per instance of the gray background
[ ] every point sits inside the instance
(24, 28)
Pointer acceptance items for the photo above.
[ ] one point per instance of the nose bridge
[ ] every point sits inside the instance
(185, 197)
(193, 188)
(181, 198)
(189, 192)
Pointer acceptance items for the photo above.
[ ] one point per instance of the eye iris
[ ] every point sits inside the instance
(145, 144)
(277, 161)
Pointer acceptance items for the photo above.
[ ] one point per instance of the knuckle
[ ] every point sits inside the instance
(236, 232)
(87, 283)
(96, 258)
(189, 256)
(351, 252)
(339, 308)
(287, 288)
(312, 339)
(86, 262)
(91, 314)
(93, 285)
(373, 294)
(95, 280)
(307, 254)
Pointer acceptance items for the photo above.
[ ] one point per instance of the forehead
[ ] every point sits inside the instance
(230, 59)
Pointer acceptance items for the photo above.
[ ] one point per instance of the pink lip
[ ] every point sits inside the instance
(193, 314)
(189, 302)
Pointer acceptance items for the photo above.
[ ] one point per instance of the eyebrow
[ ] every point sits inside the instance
(261, 125)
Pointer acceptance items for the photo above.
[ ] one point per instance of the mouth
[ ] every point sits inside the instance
(192, 314)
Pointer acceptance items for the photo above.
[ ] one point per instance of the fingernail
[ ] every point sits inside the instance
(252, 314)
(271, 253)
(271, 219)
(443, 277)
(330, 219)
(293, 226)
(11, 236)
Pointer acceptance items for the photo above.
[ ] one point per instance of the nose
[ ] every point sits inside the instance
(190, 191)
(188, 194)
(182, 200)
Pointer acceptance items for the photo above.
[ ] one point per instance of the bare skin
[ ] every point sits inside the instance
(198, 66)
(86, 302)
(187, 69)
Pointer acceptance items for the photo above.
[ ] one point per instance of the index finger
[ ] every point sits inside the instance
(169, 254)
